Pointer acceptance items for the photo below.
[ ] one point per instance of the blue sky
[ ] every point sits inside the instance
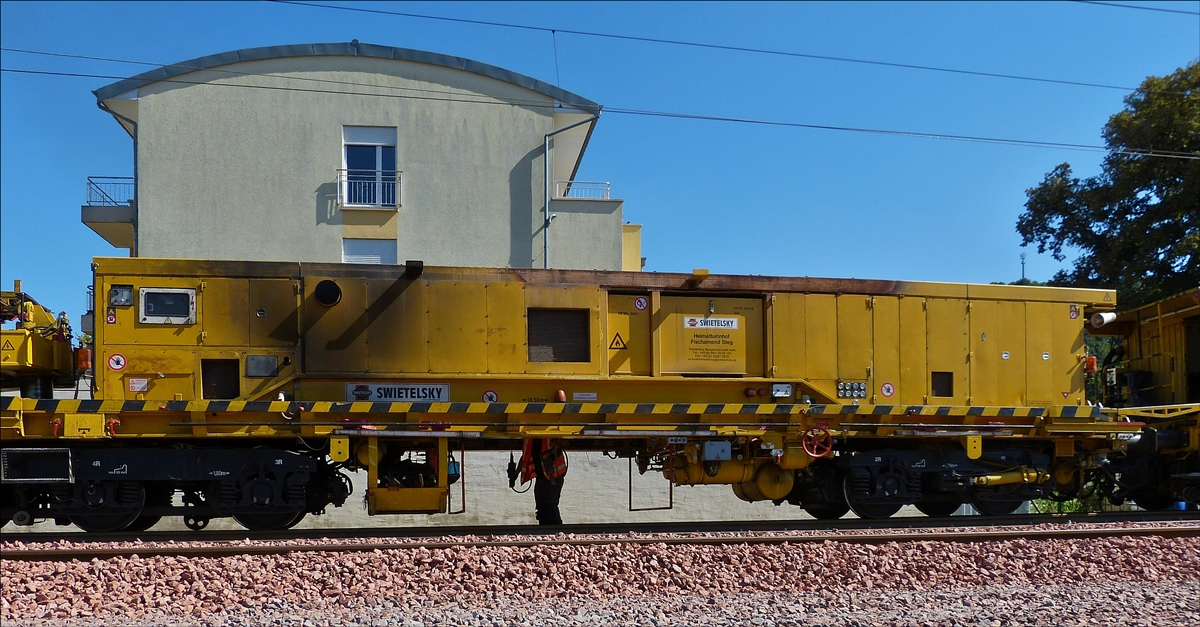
(733, 198)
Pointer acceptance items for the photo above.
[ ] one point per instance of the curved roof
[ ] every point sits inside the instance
(352, 49)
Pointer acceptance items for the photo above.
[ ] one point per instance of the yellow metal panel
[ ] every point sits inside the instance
(629, 334)
(507, 351)
(1069, 352)
(631, 247)
(948, 346)
(1009, 348)
(396, 332)
(277, 324)
(854, 336)
(974, 446)
(457, 326)
(128, 330)
(691, 347)
(335, 339)
(985, 361)
(83, 425)
(339, 448)
(914, 387)
(226, 312)
(821, 337)
(407, 500)
(788, 336)
(1039, 351)
(885, 369)
(569, 297)
(1102, 299)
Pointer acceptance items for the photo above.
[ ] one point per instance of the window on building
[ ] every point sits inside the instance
(369, 177)
(376, 251)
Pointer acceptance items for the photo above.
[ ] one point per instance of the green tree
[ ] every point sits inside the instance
(1137, 223)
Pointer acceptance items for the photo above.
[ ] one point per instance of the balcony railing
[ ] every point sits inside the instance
(591, 190)
(375, 189)
(109, 191)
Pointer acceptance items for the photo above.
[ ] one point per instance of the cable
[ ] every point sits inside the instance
(1118, 5)
(711, 46)
(677, 115)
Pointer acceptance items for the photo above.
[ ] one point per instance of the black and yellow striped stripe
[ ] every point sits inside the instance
(10, 403)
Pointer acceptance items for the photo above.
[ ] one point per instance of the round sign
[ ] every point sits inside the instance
(640, 303)
(490, 396)
(117, 362)
(887, 389)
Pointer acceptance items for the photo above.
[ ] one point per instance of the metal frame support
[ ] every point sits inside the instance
(670, 484)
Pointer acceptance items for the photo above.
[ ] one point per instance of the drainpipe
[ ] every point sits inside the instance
(133, 252)
(546, 178)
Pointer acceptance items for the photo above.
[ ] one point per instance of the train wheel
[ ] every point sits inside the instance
(108, 506)
(273, 521)
(155, 497)
(831, 512)
(867, 510)
(988, 507)
(938, 509)
(8, 503)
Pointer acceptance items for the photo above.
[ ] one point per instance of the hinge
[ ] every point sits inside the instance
(296, 288)
(203, 336)
(203, 284)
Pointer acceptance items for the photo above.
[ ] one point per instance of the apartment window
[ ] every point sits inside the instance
(376, 251)
(369, 177)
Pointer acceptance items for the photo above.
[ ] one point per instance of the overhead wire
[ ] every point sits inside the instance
(707, 45)
(1140, 7)
(661, 114)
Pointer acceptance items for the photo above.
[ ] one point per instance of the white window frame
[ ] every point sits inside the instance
(150, 319)
(377, 136)
(383, 259)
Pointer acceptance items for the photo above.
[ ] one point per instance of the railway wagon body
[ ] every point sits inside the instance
(249, 386)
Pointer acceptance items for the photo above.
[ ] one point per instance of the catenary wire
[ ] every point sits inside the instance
(711, 46)
(1119, 5)
(670, 114)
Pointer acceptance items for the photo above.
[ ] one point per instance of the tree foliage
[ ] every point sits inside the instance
(1137, 223)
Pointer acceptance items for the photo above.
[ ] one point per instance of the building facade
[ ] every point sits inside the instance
(357, 153)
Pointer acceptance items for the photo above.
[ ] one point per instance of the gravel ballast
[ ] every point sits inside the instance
(1110, 580)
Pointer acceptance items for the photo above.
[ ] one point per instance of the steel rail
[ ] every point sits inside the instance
(803, 524)
(955, 536)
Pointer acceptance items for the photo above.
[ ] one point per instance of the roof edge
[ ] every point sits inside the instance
(352, 49)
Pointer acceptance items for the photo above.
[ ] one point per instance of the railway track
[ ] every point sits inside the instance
(803, 524)
(208, 548)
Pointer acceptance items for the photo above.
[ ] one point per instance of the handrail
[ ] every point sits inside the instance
(375, 189)
(590, 190)
(109, 191)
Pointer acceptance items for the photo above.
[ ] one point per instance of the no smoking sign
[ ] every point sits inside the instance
(116, 362)
(887, 389)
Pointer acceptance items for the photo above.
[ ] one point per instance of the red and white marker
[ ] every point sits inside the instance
(116, 362)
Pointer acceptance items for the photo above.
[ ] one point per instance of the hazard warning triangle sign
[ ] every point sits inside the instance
(7, 345)
(617, 344)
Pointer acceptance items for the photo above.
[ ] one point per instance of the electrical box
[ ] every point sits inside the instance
(716, 451)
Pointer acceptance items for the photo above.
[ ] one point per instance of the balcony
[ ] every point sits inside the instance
(582, 190)
(111, 209)
(109, 191)
(369, 189)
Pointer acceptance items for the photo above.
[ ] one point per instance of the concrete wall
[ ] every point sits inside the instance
(580, 237)
(233, 169)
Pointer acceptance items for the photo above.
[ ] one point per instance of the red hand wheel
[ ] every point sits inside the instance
(817, 442)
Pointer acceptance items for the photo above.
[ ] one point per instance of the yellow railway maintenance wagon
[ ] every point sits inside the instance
(248, 387)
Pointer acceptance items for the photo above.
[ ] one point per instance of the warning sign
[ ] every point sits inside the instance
(116, 361)
(490, 396)
(617, 343)
(887, 389)
(110, 316)
(640, 303)
(7, 345)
